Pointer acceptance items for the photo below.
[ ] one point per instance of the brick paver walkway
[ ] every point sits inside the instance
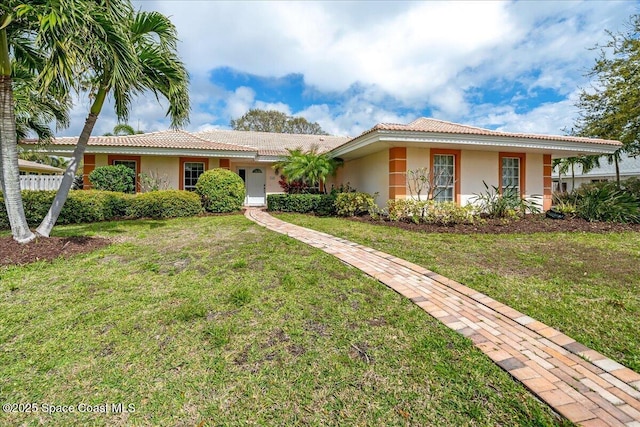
(577, 382)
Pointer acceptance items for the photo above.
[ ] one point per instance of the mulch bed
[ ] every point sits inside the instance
(46, 248)
(529, 225)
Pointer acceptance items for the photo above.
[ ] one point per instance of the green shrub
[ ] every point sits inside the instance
(118, 178)
(354, 204)
(221, 190)
(164, 204)
(632, 186)
(81, 206)
(605, 202)
(300, 203)
(406, 210)
(503, 205)
(430, 212)
(326, 205)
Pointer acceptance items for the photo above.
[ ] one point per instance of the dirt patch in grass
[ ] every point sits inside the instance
(14, 253)
(528, 225)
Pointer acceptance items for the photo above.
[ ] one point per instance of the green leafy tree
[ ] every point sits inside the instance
(610, 107)
(138, 54)
(311, 167)
(276, 122)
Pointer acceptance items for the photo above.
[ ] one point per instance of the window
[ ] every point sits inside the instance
(131, 164)
(444, 171)
(512, 173)
(192, 171)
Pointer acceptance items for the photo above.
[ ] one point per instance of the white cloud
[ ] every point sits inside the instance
(408, 55)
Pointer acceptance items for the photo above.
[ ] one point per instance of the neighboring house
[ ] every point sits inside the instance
(27, 167)
(36, 176)
(629, 167)
(375, 162)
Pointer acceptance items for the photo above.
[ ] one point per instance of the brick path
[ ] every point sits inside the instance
(577, 382)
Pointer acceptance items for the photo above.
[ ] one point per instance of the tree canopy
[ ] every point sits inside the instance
(610, 107)
(275, 121)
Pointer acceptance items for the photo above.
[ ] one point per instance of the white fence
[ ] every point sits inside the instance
(40, 182)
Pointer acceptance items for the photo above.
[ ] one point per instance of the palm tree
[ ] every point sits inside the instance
(122, 129)
(140, 54)
(9, 145)
(311, 167)
(569, 163)
(47, 40)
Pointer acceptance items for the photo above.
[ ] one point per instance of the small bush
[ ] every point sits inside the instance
(300, 203)
(118, 178)
(632, 186)
(326, 205)
(221, 190)
(164, 204)
(354, 204)
(430, 212)
(508, 204)
(605, 202)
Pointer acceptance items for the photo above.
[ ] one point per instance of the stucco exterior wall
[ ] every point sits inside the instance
(162, 167)
(476, 167)
(369, 174)
(417, 158)
(535, 177)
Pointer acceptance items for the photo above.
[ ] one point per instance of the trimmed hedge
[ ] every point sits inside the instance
(164, 204)
(300, 203)
(221, 190)
(93, 205)
(81, 206)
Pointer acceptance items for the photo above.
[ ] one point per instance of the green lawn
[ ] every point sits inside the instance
(217, 321)
(587, 285)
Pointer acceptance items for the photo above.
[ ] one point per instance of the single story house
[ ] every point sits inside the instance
(36, 176)
(27, 167)
(629, 167)
(374, 162)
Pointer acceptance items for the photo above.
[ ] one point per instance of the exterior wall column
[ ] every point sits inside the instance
(397, 172)
(89, 164)
(547, 197)
(225, 164)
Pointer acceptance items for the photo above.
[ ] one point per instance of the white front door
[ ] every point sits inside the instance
(255, 183)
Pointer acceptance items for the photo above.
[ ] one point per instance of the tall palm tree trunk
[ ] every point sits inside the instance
(9, 150)
(45, 227)
(617, 171)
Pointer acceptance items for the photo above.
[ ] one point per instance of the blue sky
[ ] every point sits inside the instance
(515, 66)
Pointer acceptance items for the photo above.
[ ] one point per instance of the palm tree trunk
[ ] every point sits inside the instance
(617, 171)
(10, 174)
(45, 227)
(573, 178)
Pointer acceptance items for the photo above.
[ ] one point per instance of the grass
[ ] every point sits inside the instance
(217, 321)
(585, 284)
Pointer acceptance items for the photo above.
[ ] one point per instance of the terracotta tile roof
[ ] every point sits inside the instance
(177, 139)
(272, 144)
(424, 124)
